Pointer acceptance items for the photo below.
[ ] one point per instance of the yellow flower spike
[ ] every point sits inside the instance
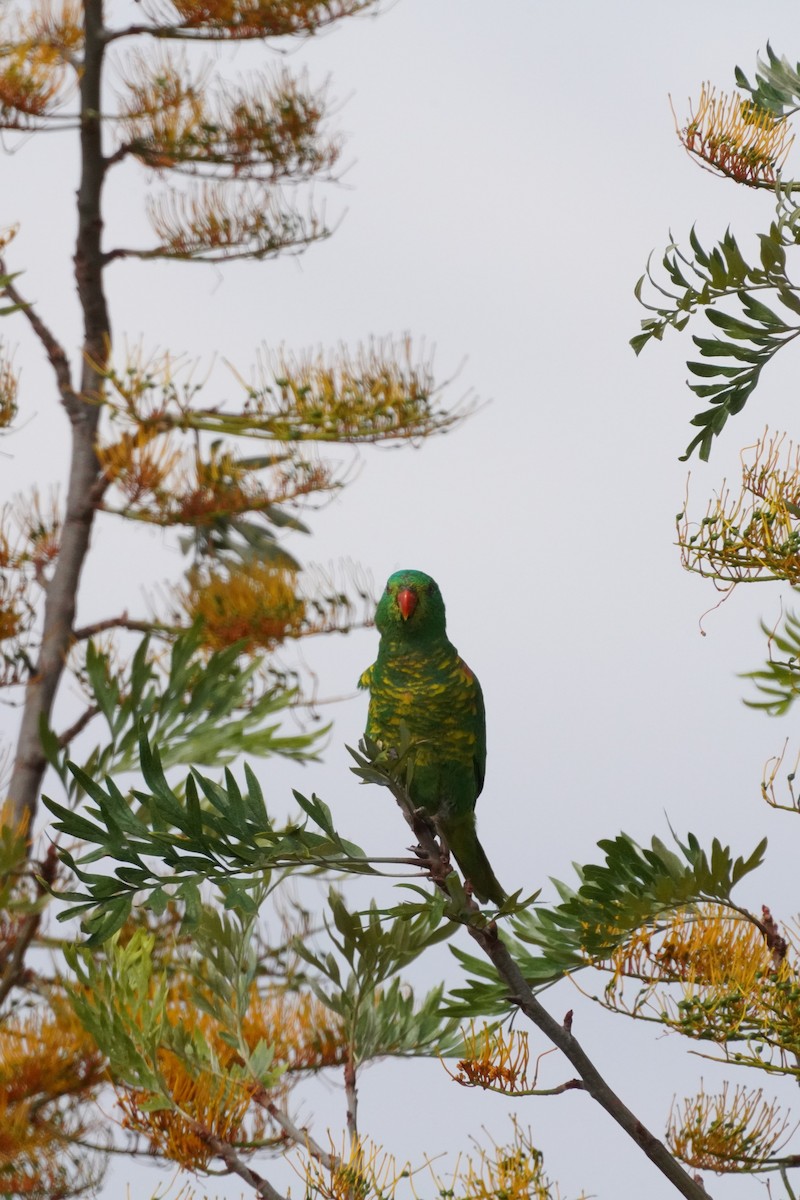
(209, 219)
(255, 603)
(58, 26)
(39, 522)
(239, 19)
(753, 534)
(208, 1104)
(164, 108)
(510, 1172)
(733, 976)
(733, 136)
(359, 1171)
(49, 1069)
(207, 1107)
(736, 1130)
(34, 52)
(139, 463)
(306, 1035)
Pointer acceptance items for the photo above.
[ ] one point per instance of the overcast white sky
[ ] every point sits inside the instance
(512, 167)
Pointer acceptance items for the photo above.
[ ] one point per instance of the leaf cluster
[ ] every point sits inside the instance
(206, 833)
(632, 888)
(733, 359)
(777, 84)
(200, 709)
(359, 980)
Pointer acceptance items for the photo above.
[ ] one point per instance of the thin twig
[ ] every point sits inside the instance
(236, 1166)
(78, 726)
(351, 1096)
(121, 622)
(53, 348)
(300, 1136)
(785, 1181)
(15, 963)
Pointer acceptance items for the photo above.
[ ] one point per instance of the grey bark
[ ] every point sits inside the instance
(83, 411)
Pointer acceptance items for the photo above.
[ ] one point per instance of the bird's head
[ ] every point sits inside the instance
(411, 606)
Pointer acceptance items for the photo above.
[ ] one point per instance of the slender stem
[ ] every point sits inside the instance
(78, 726)
(123, 622)
(300, 1137)
(55, 351)
(14, 964)
(261, 1186)
(786, 1184)
(351, 1095)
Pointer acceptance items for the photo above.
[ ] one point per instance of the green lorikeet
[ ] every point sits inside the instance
(419, 680)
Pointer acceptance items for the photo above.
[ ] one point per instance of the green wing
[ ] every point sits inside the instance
(365, 680)
(479, 728)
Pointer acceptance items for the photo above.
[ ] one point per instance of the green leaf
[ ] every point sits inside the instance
(778, 680)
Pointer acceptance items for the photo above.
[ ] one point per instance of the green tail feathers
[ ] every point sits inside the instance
(470, 855)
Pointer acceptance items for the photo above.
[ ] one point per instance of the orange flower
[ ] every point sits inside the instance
(208, 1109)
(256, 604)
(138, 464)
(494, 1060)
(49, 1069)
(306, 1035)
(736, 138)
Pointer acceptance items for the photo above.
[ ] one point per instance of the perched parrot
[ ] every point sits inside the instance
(419, 680)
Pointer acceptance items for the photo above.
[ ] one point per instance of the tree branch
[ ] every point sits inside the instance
(83, 409)
(236, 1166)
(54, 350)
(14, 964)
(521, 994)
(561, 1036)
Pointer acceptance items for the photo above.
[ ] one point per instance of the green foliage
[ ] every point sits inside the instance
(633, 888)
(224, 966)
(378, 1019)
(204, 832)
(734, 359)
(777, 85)
(5, 280)
(232, 537)
(203, 709)
(779, 679)
(122, 1001)
(122, 1006)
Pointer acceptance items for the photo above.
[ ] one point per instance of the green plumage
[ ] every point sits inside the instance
(419, 681)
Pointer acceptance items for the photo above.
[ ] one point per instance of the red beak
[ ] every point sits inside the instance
(406, 602)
